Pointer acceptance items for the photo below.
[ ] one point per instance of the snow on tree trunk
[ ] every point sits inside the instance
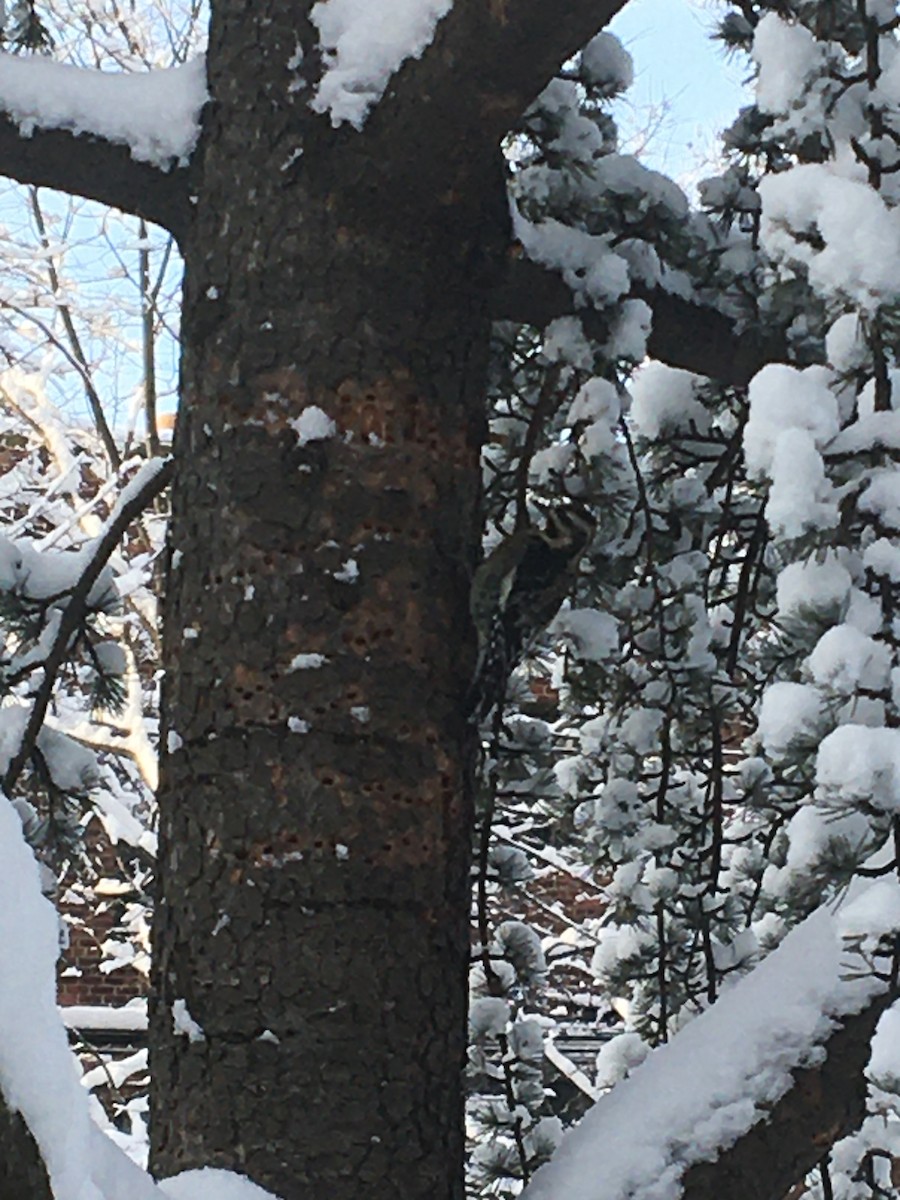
(311, 943)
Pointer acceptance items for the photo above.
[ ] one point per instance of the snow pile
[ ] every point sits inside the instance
(823, 586)
(592, 635)
(155, 113)
(845, 659)
(364, 42)
(43, 575)
(641, 1139)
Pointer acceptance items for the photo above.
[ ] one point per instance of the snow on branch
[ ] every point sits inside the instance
(685, 333)
(79, 596)
(363, 42)
(773, 1069)
(156, 114)
(123, 139)
(484, 66)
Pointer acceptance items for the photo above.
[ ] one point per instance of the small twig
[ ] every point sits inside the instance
(80, 359)
(148, 344)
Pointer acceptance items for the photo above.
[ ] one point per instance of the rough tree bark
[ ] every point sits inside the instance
(315, 823)
(315, 819)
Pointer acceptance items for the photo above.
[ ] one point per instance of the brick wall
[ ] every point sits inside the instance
(79, 978)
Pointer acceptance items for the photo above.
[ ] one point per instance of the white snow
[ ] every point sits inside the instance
(155, 113)
(364, 42)
(44, 574)
(594, 272)
(800, 496)
(131, 1016)
(873, 914)
(845, 344)
(184, 1024)
(596, 400)
(789, 712)
(857, 247)
(607, 65)
(787, 54)
(784, 398)
(307, 662)
(348, 573)
(822, 586)
(564, 341)
(665, 399)
(639, 1141)
(593, 635)
(38, 1074)
(211, 1184)
(313, 425)
(859, 765)
(845, 659)
(619, 1057)
(488, 1016)
(884, 1064)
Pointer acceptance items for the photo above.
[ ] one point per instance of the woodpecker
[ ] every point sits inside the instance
(517, 591)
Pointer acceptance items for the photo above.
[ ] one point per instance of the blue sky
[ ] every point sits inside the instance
(675, 62)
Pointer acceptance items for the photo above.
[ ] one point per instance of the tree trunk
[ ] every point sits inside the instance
(315, 813)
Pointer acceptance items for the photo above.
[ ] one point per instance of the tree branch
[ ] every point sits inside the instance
(89, 166)
(488, 61)
(685, 334)
(74, 613)
(826, 1103)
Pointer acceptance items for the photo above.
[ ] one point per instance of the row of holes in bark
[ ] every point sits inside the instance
(327, 779)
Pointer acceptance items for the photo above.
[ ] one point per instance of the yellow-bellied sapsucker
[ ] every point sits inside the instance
(517, 591)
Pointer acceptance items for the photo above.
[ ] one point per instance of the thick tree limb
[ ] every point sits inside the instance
(89, 166)
(488, 61)
(826, 1103)
(685, 334)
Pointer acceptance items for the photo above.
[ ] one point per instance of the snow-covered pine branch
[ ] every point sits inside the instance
(69, 601)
